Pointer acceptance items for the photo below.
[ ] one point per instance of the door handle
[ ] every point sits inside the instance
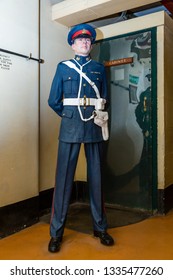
(145, 104)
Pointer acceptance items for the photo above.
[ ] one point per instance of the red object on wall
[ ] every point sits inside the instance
(169, 5)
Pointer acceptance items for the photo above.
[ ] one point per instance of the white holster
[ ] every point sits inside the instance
(101, 119)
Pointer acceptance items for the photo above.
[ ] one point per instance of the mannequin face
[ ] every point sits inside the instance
(82, 46)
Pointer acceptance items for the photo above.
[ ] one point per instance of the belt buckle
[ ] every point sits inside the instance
(84, 101)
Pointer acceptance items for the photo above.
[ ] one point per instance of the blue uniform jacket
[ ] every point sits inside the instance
(65, 85)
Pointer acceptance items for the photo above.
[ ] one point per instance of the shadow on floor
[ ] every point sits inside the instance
(79, 217)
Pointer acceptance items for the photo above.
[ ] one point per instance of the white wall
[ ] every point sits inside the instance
(54, 48)
(19, 101)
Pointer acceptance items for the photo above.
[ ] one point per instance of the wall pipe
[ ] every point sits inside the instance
(22, 55)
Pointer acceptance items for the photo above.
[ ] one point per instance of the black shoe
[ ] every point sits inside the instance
(55, 244)
(105, 238)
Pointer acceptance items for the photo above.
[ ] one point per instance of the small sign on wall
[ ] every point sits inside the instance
(5, 62)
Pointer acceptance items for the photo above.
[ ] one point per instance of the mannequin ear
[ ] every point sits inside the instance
(73, 46)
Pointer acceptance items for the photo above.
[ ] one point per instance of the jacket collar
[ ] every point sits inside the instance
(82, 59)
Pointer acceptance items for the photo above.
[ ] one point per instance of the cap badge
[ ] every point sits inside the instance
(84, 31)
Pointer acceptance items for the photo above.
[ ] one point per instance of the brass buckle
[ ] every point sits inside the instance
(84, 102)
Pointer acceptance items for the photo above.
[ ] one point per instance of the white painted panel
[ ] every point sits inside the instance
(71, 12)
(18, 101)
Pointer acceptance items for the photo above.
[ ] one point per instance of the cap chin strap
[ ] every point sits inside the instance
(82, 75)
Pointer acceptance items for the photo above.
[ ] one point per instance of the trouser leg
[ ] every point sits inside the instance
(66, 165)
(94, 152)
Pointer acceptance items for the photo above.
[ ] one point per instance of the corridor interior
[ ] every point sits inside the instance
(149, 239)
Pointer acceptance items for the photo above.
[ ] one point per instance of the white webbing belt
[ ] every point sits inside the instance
(80, 101)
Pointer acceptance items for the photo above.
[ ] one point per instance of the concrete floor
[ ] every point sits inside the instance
(150, 239)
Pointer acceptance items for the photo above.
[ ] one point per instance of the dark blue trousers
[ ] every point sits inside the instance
(66, 165)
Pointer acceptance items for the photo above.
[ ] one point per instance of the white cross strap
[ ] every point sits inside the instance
(72, 65)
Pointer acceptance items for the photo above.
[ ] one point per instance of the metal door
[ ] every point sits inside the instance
(130, 178)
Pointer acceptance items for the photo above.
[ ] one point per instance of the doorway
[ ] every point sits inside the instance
(130, 173)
